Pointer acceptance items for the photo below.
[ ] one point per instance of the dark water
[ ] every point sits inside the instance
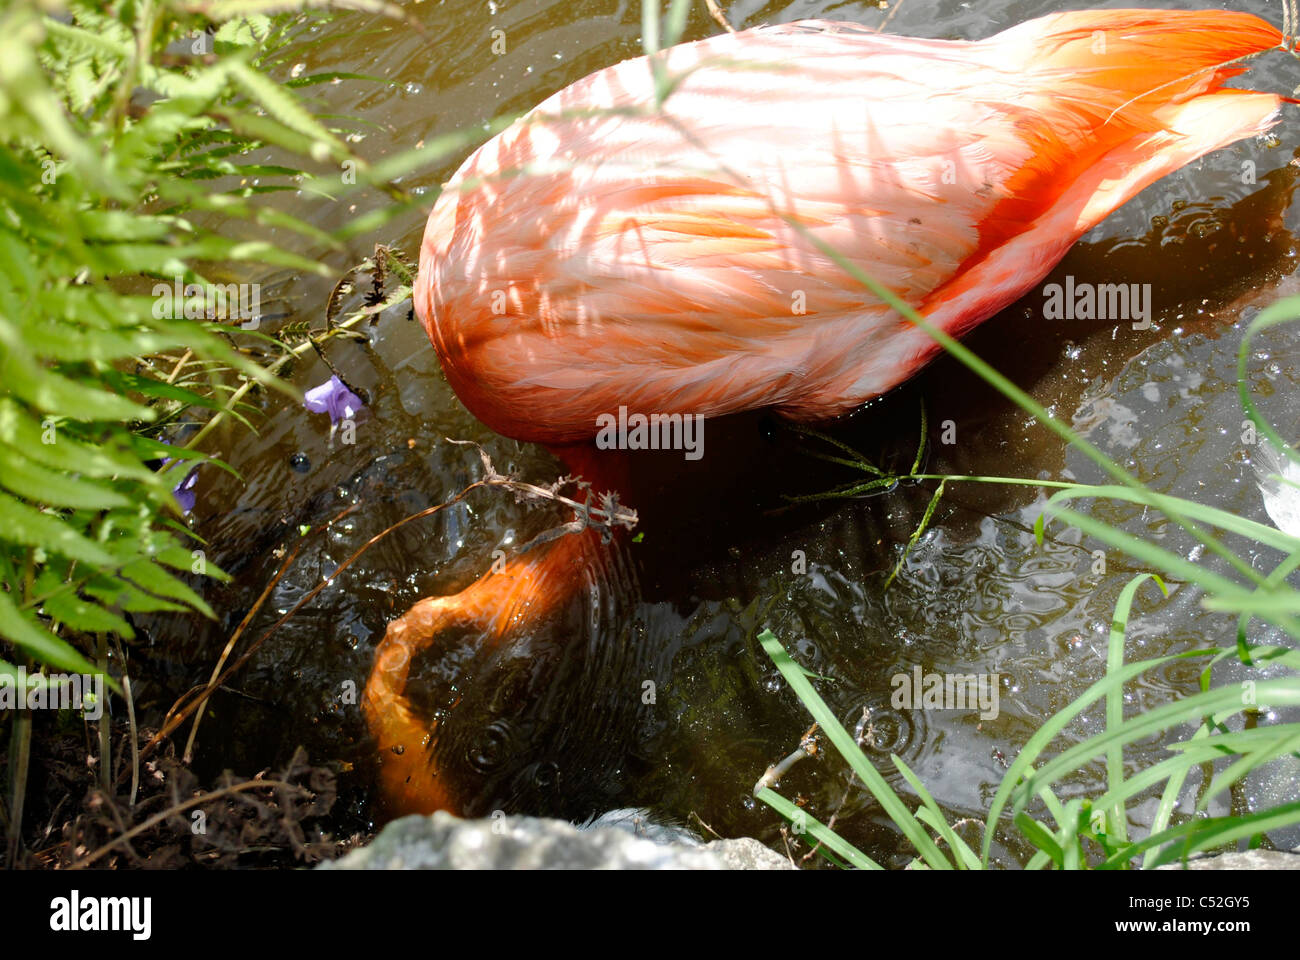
(556, 722)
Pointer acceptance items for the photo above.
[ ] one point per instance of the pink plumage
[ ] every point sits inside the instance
(601, 252)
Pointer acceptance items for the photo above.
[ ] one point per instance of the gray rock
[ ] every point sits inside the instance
(620, 840)
(1244, 860)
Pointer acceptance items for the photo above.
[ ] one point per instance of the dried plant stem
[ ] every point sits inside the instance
(20, 755)
(884, 23)
(188, 754)
(807, 748)
(105, 723)
(716, 13)
(180, 808)
(864, 733)
(130, 716)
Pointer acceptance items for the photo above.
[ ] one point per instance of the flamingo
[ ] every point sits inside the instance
(616, 248)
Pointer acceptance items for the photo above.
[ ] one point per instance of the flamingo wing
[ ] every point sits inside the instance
(604, 253)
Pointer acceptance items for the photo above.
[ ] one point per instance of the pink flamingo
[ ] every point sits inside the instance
(611, 251)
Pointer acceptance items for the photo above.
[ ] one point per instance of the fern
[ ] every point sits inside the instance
(116, 124)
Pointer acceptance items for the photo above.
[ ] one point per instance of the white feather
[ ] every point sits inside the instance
(1279, 485)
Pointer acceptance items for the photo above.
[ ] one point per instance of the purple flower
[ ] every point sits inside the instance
(334, 398)
(184, 491)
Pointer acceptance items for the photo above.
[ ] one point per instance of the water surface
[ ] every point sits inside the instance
(558, 725)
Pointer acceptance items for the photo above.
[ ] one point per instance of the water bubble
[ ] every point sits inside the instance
(490, 747)
(299, 463)
(546, 775)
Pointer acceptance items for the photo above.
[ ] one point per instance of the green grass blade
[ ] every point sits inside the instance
(848, 749)
(1117, 818)
(823, 833)
(936, 818)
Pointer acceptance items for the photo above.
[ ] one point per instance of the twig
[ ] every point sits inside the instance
(716, 13)
(179, 808)
(54, 816)
(105, 724)
(807, 748)
(130, 716)
(187, 755)
(864, 732)
(789, 854)
(177, 715)
(171, 378)
(884, 23)
(605, 516)
(116, 813)
(700, 821)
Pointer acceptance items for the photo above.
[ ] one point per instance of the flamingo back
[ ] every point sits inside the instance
(608, 251)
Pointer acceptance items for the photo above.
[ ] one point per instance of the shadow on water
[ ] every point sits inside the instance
(660, 696)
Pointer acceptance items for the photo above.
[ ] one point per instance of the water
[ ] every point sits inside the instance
(557, 722)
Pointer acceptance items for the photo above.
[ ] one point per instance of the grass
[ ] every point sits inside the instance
(1093, 832)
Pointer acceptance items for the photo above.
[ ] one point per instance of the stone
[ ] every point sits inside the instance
(619, 840)
(1243, 860)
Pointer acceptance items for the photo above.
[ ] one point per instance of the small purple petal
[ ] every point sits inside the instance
(334, 398)
(184, 491)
